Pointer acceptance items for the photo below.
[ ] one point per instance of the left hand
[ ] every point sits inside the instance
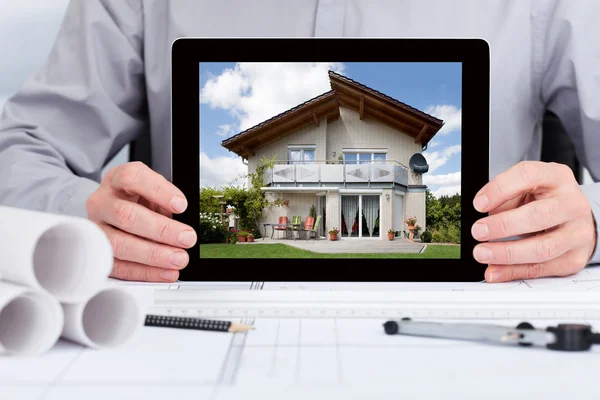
(542, 204)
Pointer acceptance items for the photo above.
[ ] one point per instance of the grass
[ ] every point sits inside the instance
(284, 251)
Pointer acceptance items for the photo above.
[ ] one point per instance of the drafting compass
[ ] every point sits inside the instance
(563, 337)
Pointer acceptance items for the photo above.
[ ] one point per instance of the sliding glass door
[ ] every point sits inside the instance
(360, 216)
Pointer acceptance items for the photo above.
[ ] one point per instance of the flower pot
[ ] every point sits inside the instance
(390, 235)
(241, 238)
(250, 238)
(332, 236)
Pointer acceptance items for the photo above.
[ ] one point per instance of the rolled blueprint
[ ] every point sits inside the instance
(69, 257)
(110, 318)
(30, 321)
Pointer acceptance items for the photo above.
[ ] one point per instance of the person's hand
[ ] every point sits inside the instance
(542, 205)
(134, 207)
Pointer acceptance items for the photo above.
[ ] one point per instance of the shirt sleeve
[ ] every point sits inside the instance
(567, 62)
(76, 113)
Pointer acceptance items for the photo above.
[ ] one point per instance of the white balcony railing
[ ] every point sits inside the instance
(328, 172)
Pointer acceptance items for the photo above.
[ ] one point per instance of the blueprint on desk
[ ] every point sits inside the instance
(324, 355)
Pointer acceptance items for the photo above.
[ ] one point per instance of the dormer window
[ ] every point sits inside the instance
(301, 154)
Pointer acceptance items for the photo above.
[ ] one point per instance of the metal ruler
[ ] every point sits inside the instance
(340, 304)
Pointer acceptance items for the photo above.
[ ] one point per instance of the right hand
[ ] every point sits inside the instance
(134, 207)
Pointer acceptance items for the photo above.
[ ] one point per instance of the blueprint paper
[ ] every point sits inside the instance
(299, 358)
(110, 318)
(66, 256)
(30, 321)
(288, 357)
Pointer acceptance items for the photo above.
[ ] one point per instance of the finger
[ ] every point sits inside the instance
(131, 271)
(138, 220)
(535, 249)
(164, 212)
(155, 208)
(569, 263)
(135, 178)
(532, 217)
(518, 201)
(127, 247)
(522, 178)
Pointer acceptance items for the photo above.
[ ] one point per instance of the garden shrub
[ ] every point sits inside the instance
(426, 237)
(210, 229)
(446, 234)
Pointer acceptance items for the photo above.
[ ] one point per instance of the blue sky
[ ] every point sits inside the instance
(235, 97)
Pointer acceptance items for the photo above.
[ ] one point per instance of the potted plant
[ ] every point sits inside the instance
(391, 234)
(411, 221)
(250, 237)
(241, 236)
(333, 233)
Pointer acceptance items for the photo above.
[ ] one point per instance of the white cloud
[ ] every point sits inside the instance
(446, 191)
(451, 179)
(255, 92)
(447, 184)
(451, 115)
(438, 158)
(434, 143)
(224, 130)
(221, 171)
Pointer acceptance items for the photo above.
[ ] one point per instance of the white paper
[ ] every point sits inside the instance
(67, 256)
(30, 321)
(110, 318)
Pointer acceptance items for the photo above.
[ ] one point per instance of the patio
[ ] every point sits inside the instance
(347, 245)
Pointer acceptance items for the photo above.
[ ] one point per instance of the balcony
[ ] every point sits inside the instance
(334, 173)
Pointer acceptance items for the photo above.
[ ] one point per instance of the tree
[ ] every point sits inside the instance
(248, 203)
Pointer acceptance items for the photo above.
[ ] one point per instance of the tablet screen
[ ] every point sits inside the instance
(356, 160)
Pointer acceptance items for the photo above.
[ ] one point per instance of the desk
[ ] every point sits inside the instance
(300, 358)
(289, 227)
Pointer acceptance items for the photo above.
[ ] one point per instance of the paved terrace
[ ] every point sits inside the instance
(347, 245)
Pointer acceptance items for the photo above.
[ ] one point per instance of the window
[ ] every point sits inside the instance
(301, 155)
(364, 156)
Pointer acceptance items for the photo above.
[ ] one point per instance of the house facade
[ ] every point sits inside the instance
(346, 152)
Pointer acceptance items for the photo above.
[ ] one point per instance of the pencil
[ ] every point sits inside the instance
(195, 323)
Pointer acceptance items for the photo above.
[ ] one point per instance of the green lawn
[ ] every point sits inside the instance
(284, 251)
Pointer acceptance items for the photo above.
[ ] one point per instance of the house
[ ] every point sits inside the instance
(347, 152)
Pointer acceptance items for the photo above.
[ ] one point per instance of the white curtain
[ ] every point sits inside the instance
(349, 208)
(370, 208)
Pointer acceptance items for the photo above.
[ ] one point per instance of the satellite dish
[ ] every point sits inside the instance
(418, 164)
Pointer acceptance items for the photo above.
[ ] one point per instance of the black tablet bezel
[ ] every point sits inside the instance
(188, 53)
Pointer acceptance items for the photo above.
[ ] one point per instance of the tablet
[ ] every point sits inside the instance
(347, 159)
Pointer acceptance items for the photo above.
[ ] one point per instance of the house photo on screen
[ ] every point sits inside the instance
(326, 160)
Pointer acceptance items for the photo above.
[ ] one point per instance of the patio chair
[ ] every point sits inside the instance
(308, 224)
(281, 220)
(312, 229)
(296, 220)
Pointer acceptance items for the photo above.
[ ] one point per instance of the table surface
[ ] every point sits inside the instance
(299, 358)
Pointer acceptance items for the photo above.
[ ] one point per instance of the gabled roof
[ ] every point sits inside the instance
(344, 92)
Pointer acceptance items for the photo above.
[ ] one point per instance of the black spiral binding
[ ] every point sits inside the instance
(187, 323)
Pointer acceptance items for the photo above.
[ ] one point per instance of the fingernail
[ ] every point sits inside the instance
(479, 231)
(187, 238)
(482, 254)
(169, 275)
(179, 259)
(495, 275)
(481, 202)
(178, 203)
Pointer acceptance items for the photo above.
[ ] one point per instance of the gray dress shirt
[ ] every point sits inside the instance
(107, 79)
